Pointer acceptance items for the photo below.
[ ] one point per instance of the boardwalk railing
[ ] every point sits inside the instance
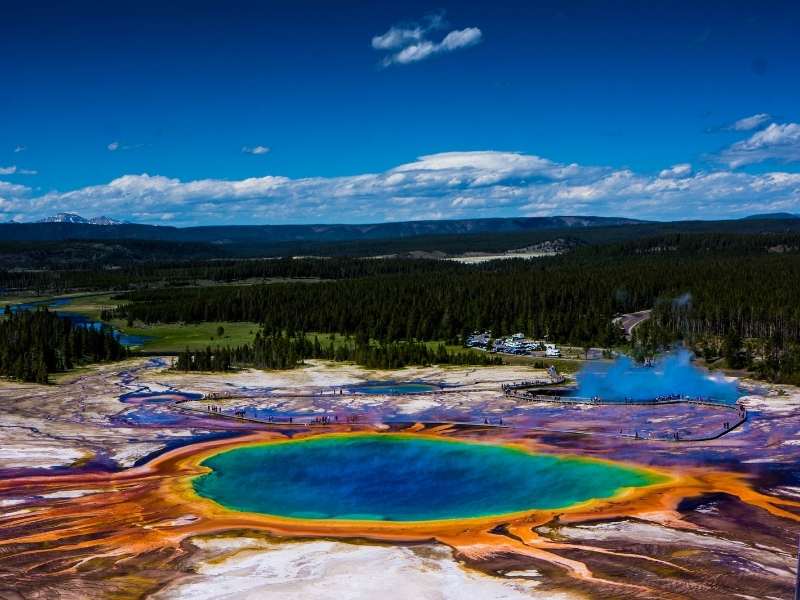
(672, 436)
(532, 383)
(558, 399)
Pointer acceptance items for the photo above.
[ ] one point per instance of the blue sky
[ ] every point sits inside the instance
(275, 112)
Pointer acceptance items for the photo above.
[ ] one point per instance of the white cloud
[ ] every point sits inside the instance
(12, 189)
(256, 150)
(749, 123)
(113, 146)
(15, 170)
(19, 149)
(396, 37)
(447, 185)
(461, 38)
(412, 53)
(409, 43)
(420, 51)
(779, 142)
(676, 171)
(402, 35)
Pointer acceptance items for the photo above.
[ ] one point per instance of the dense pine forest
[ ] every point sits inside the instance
(34, 344)
(84, 265)
(280, 351)
(703, 289)
(569, 300)
(732, 293)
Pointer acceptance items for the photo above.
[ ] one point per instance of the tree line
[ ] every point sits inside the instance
(281, 351)
(52, 267)
(570, 300)
(702, 291)
(34, 344)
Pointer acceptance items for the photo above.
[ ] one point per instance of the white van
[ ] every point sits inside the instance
(551, 351)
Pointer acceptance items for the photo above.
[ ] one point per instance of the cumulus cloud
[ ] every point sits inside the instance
(19, 149)
(444, 185)
(113, 146)
(255, 150)
(779, 142)
(12, 189)
(676, 171)
(410, 43)
(751, 122)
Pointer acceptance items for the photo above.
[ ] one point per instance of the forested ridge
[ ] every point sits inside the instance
(34, 344)
(190, 273)
(569, 299)
(413, 306)
(56, 267)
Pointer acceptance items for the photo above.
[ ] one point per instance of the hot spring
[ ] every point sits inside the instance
(391, 388)
(672, 374)
(404, 478)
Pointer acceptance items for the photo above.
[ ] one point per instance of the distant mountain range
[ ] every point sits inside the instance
(73, 218)
(70, 226)
(778, 215)
(65, 241)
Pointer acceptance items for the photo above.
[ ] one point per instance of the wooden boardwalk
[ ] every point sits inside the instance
(519, 391)
(739, 409)
(306, 424)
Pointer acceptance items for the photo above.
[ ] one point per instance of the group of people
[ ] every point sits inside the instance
(241, 413)
(325, 420)
(508, 387)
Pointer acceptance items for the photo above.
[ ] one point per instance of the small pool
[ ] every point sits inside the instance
(390, 477)
(146, 396)
(392, 388)
(148, 416)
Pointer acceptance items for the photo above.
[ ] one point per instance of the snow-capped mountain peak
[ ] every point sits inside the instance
(73, 218)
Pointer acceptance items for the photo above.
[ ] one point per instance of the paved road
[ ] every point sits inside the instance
(631, 320)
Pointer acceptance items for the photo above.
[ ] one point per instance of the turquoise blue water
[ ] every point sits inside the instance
(392, 388)
(401, 478)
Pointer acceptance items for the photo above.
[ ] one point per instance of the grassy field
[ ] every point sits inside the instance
(173, 337)
(325, 340)
(21, 299)
(169, 337)
(564, 365)
(80, 299)
(92, 305)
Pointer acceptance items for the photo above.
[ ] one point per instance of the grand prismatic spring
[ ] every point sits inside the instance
(555, 500)
(404, 478)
